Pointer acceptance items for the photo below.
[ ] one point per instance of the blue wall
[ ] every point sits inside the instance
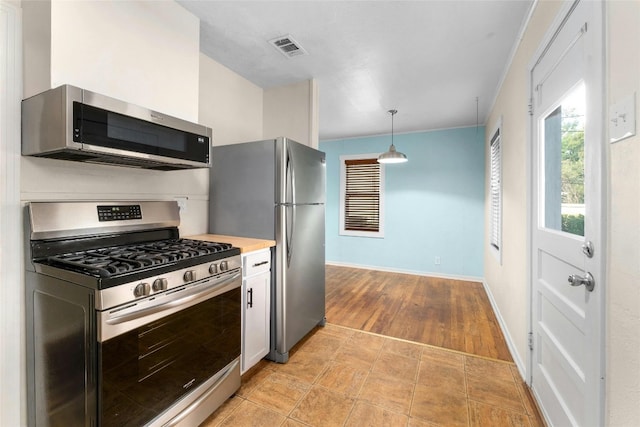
(434, 204)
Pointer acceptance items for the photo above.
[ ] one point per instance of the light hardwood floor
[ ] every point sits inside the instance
(446, 313)
(345, 376)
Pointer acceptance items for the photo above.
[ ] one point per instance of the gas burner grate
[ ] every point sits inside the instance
(113, 261)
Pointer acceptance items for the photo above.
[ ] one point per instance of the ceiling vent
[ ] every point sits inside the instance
(287, 46)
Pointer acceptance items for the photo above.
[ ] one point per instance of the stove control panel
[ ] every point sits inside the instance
(119, 212)
(155, 286)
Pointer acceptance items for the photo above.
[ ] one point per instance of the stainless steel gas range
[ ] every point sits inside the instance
(127, 323)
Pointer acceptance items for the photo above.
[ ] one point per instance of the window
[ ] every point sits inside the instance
(361, 196)
(496, 191)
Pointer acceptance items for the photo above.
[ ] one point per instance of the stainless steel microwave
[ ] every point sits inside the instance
(70, 123)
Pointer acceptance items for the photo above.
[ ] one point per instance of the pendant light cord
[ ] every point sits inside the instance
(392, 112)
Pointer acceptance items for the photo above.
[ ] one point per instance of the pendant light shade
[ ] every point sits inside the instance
(392, 156)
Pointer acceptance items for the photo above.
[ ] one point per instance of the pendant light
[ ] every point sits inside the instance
(392, 156)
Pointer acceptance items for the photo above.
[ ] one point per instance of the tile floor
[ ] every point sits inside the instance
(339, 376)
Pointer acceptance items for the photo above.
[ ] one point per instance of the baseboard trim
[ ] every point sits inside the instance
(505, 332)
(413, 272)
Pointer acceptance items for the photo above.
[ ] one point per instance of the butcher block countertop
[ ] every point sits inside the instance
(245, 244)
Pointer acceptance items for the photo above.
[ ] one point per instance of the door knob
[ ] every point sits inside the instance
(587, 281)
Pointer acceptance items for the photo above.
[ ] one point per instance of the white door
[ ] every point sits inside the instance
(567, 253)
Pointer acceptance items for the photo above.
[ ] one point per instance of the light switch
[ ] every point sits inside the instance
(622, 119)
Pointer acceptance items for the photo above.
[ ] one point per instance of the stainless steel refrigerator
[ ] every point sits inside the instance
(275, 189)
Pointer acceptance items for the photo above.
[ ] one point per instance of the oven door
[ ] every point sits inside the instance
(165, 351)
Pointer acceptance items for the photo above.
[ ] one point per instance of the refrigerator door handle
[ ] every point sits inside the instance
(290, 203)
(291, 177)
(290, 226)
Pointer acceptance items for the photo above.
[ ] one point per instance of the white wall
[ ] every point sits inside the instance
(508, 281)
(146, 53)
(292, 111)
(142, 52)
(229, 104)
(36, 35)
(239, 111)
(623, 260)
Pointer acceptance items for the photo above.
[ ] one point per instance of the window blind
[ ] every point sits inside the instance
(362, 195)
(496, 191)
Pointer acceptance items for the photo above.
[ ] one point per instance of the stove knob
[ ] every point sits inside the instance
(159, 285)
(224, 265)
(141, 290)
(213, 268)
(189, 276)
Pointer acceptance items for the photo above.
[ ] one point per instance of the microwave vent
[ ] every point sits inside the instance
(104, 159)
(287, 46)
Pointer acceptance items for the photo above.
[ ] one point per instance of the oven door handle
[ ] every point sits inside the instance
(199, 293)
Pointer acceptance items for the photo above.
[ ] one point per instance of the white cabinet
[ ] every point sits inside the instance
(256, 302)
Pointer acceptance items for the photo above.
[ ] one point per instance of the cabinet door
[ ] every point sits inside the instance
(256, 325)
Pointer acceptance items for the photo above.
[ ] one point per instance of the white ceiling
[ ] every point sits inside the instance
(427, 59)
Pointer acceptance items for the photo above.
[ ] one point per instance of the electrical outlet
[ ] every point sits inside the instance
(437, 261)
(182, 203)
